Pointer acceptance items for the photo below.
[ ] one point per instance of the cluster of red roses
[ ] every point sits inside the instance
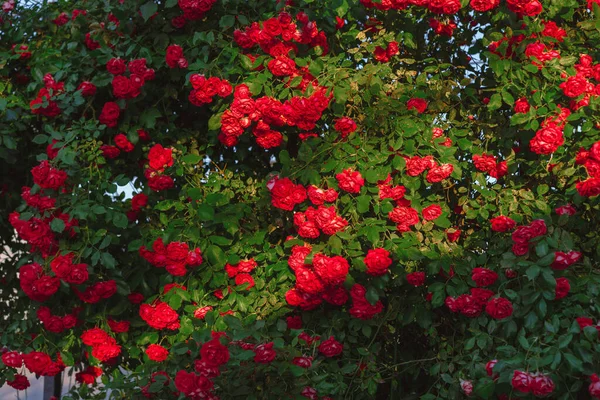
(195, 9)
(63, 268)
(241, 272)
(538, 384)
(275, 37)
(43, 103)
(205, 89)
(55, 323)
(36, 362)
(489, 164)
(323, 279)
(104, 346)
(445, 28)
(416, 165)
(96, 292)
(437, 133)
(174, 257)
(522, 7)
(124, 87)
(88, 375)
(384, 55)
(159, 158)
(122, 144)
(472, 305)
(36, 232)
(159, 315)
(524, 234)
(317, 282)
(300, 112)
(36, 284)
(550, 136)
(213, 355)
(590, 159)
(175, 58)
(285, 194)
(312, 222)
(350, 181)
(345, 126)
(37, 200)
(138, 202)
(406, 216)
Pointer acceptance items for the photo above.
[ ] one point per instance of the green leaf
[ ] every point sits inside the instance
(372, 296)
(495, 102)
(148, 118)
(40, 139)
(120, 220)
(226, 21)
(205, 212)
(148, 10)
(191, 158)
(215, 255)
(57, 225)
(214, 122)
(363, 204)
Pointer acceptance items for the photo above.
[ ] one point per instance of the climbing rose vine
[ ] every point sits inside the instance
(346, 199)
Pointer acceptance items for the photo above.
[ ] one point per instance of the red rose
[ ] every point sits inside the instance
(110, 114)
(574, 86)
(87, 89)
(328, 221)
(418, 104)
(331, 347)
(489, 367)
(541, 385)
(175, 57)
(484, 5)
(521, 381)
(405, 217)
(439, 173)
(499, 308)
(123, 143)
(191, 384)
(377, 261)
(331, 270)
(19, 382)
(483, 277)
(94, 337)
(282, 66)
(547, 140)
(432, 212)
(139, 201)
(502, 224)
(562, 288)
(349, 180)
(241, 279)
(521, 106)
(118, 326)
(107, 350)
(563, 260)
(214, 352)
(157, 353)
(109, 151)
(12, 359)
(594, 388)
(308, 282)
(201, 312)
(159, 158)
(345, 126)
(135, 298)
(116, 66)
(285, 194)
(484, 162)
(160, 182)
(293, 322)
(416, 278)
(264, 353)
(37, 362)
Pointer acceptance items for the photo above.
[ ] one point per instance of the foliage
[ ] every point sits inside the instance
(340, 199)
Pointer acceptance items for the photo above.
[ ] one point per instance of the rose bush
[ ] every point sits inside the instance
(298, 199)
